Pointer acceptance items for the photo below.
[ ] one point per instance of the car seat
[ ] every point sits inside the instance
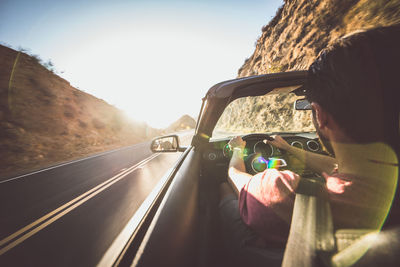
(313, 242)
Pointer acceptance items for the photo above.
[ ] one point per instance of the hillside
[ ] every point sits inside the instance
(183, 123)
(300, 29)
(44, 120)
(292, 40)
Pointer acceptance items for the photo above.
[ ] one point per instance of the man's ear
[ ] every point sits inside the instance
(321, 116)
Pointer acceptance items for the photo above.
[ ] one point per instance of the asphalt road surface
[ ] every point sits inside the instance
(70, 215)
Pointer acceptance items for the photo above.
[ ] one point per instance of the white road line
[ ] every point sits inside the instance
(67, 163)
(64, 209)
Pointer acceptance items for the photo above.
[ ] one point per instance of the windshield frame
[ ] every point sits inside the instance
(221, 94)
(252, 115)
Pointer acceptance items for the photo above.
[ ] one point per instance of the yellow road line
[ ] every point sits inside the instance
(24, 229)
(78, 201)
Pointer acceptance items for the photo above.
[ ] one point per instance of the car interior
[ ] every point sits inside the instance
(182, 228)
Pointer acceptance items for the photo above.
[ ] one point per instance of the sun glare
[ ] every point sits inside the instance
(151, 59)
(153, 73)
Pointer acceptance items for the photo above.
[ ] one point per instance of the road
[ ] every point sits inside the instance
(70, 215)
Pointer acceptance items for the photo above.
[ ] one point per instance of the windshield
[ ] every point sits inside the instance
(271, 113)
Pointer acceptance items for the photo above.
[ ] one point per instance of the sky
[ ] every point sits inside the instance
(153, 59)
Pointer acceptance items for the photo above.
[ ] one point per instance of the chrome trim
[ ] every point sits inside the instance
(284, 164)
(212, 156)
(130, 248)
(297, 142)
(252, 166)
(272, 148)
(315, 142)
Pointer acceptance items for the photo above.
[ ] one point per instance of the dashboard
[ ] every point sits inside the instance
(259, 155)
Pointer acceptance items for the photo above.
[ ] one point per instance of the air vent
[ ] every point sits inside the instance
(313, 145)
(297, 144)
(212, 156)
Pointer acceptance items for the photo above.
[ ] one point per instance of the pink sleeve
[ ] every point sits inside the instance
(266, 203)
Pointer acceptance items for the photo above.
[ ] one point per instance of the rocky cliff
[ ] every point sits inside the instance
(301, 28)
(44, 120)
(291, 41)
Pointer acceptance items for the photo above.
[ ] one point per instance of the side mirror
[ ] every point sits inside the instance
(169, 143)
(302, 104)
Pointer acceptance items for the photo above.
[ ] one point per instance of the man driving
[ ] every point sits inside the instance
(354, 94)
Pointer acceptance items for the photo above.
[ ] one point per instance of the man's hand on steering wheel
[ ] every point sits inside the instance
(237, 142)
(279, 142)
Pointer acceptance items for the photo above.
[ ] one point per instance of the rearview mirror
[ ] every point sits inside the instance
(169, 143)
(302, 104)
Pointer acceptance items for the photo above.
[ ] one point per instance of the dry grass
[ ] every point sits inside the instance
(44, 120)
(301, 29)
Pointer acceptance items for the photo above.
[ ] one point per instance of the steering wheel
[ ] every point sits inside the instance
(258, 160)
(257, 136)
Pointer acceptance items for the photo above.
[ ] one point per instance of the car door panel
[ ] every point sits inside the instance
(172, 235)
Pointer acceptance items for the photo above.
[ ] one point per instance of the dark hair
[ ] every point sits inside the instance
(357, 80)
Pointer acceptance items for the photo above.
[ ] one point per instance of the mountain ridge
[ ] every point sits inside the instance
(45, 121)
(301, 29)
(291, 41)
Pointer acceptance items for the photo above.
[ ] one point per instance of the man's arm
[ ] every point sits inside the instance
(237, 176)
(317, 162)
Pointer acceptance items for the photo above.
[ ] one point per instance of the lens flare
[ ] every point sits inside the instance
(260, 164)
(273, 163)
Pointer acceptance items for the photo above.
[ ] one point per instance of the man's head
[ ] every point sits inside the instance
(354, 87)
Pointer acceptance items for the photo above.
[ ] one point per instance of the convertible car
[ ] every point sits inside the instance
(181, 226)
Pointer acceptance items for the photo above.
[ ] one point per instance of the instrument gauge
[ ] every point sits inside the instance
(266, 150)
